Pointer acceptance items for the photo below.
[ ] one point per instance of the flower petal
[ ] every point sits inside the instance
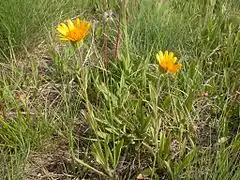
(161, 55)
(70, 25)
(174, 68)
(171, 55)
(174, 60)
(64, 39)
(63, 29)
(166, 53)
(77, 22)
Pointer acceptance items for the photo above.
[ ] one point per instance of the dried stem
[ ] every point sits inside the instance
(118, 35)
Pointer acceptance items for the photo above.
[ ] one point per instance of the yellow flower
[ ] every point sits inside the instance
(73, 31)
(168, 62)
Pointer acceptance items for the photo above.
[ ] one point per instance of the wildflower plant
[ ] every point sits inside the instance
(104, 105)
(168, 62)
(74, 32)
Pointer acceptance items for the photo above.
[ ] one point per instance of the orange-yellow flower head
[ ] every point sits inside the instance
(73, 31)
(168, 62)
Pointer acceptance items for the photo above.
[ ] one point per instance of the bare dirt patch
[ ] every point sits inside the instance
(52, 165)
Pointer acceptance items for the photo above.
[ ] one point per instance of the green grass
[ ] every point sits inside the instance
(63, 114)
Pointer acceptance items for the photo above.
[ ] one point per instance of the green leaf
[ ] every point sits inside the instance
(117, 152)
(187, 160)
(98, 153)
(89, 167)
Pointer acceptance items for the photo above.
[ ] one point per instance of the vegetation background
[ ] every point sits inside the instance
(109, 111)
